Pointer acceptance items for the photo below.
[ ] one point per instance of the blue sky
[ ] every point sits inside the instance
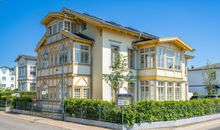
(195, 21)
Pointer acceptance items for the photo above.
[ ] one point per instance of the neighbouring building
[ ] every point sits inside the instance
(7, 78)
(196, 79)
(26, 72)
(89, 44)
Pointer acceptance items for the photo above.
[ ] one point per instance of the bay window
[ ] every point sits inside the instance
(147, 57)
(145, 90)
(62, 25)
(82, 54)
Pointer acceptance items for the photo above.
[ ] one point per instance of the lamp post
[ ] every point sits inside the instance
(62, 52)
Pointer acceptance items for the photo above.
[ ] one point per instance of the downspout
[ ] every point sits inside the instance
(91, 71)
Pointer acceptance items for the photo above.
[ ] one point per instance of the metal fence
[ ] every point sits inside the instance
(36, 107)
(108, 114)
(117, 114)
(3, 103)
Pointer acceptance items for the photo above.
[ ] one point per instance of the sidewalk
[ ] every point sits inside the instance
(57, 123)
(208, 125)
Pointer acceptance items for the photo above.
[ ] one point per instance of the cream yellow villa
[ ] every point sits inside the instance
(89, 44)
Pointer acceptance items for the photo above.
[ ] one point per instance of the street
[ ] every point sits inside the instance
(9, 123)
(12, 121)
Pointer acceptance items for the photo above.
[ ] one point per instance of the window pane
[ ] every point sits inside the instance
(130, 58)
(77, 56)
(142, 93)
(142, 61)
(86, 93)
(160, 57)
(114, 52)
(60, 26)
(77, 92)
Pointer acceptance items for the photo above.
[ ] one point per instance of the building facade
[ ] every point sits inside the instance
(26, 72)
(196, 78)
(88, 44)
(7, 78)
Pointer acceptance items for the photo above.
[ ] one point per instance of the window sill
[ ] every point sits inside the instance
(84, 64)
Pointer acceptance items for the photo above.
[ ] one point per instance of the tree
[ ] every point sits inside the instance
(119, 75)
(209, 78)
(196, 94)
(1, 89)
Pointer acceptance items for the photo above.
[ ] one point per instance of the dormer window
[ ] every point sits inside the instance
(62, 25)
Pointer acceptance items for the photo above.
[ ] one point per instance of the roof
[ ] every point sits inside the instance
(27, 57)
(6, 67)
(174, 40)
(189, 56)
(76, 37)
(95, 20)
(215, 66)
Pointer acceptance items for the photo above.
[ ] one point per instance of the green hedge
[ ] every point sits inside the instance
(6, 95)
(24, 103)
(143, 111)
(93, 109)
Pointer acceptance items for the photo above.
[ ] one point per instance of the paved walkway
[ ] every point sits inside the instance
(51, 122)
(208, 125)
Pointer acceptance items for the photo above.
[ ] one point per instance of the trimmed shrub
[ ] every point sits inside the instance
(143, 111)
(24, 103)
(93, 109)
(6, 95)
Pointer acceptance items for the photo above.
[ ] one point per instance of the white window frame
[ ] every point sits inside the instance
(161, 57)
(80, 53)
(161, 90)
(148, 57)
(145, 89)
(178, 94)
(170, 94)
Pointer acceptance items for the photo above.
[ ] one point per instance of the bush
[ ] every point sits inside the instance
(7, 95)
(93, 109)
(143, 111)
(24, 103)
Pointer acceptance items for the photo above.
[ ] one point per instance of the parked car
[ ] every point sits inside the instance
(212, 96)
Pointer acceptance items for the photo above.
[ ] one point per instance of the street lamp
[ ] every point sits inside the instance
(62, 55)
